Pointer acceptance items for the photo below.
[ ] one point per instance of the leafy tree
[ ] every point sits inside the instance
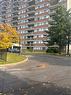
(60, 27)
(8, 36)
(68, 29)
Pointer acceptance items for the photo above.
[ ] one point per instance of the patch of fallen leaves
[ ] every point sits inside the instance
(42, 66)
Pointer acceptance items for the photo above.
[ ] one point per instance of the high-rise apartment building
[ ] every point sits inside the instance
(55, 3)
(31, 19)
(65, 3)
(0, 13)
(9, 11)
(68, 4)
(4, 5)
(33, 22)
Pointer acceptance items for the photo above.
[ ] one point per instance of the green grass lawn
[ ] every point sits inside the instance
(13, 58)
(25, 51)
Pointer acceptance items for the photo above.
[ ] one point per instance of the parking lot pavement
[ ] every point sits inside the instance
(39, 76)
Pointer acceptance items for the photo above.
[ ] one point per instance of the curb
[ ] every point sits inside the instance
(14, 63)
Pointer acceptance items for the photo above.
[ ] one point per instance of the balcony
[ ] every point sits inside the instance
(31, 3)
(30, 26)
(40, 38)
(31, 14)
(30, 31)
(28, 44)
(31, 9)
(31, 20)
(29, 38)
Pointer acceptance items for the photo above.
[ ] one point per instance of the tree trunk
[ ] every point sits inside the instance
(59, 49)
(68, 46)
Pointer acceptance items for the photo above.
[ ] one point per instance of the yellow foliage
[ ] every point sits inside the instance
(8, 35)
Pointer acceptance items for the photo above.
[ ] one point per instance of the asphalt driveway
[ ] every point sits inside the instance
(40, 75)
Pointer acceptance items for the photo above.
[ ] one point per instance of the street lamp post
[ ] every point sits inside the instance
(19, 45)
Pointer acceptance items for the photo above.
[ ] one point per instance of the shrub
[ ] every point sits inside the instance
(52, 50)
